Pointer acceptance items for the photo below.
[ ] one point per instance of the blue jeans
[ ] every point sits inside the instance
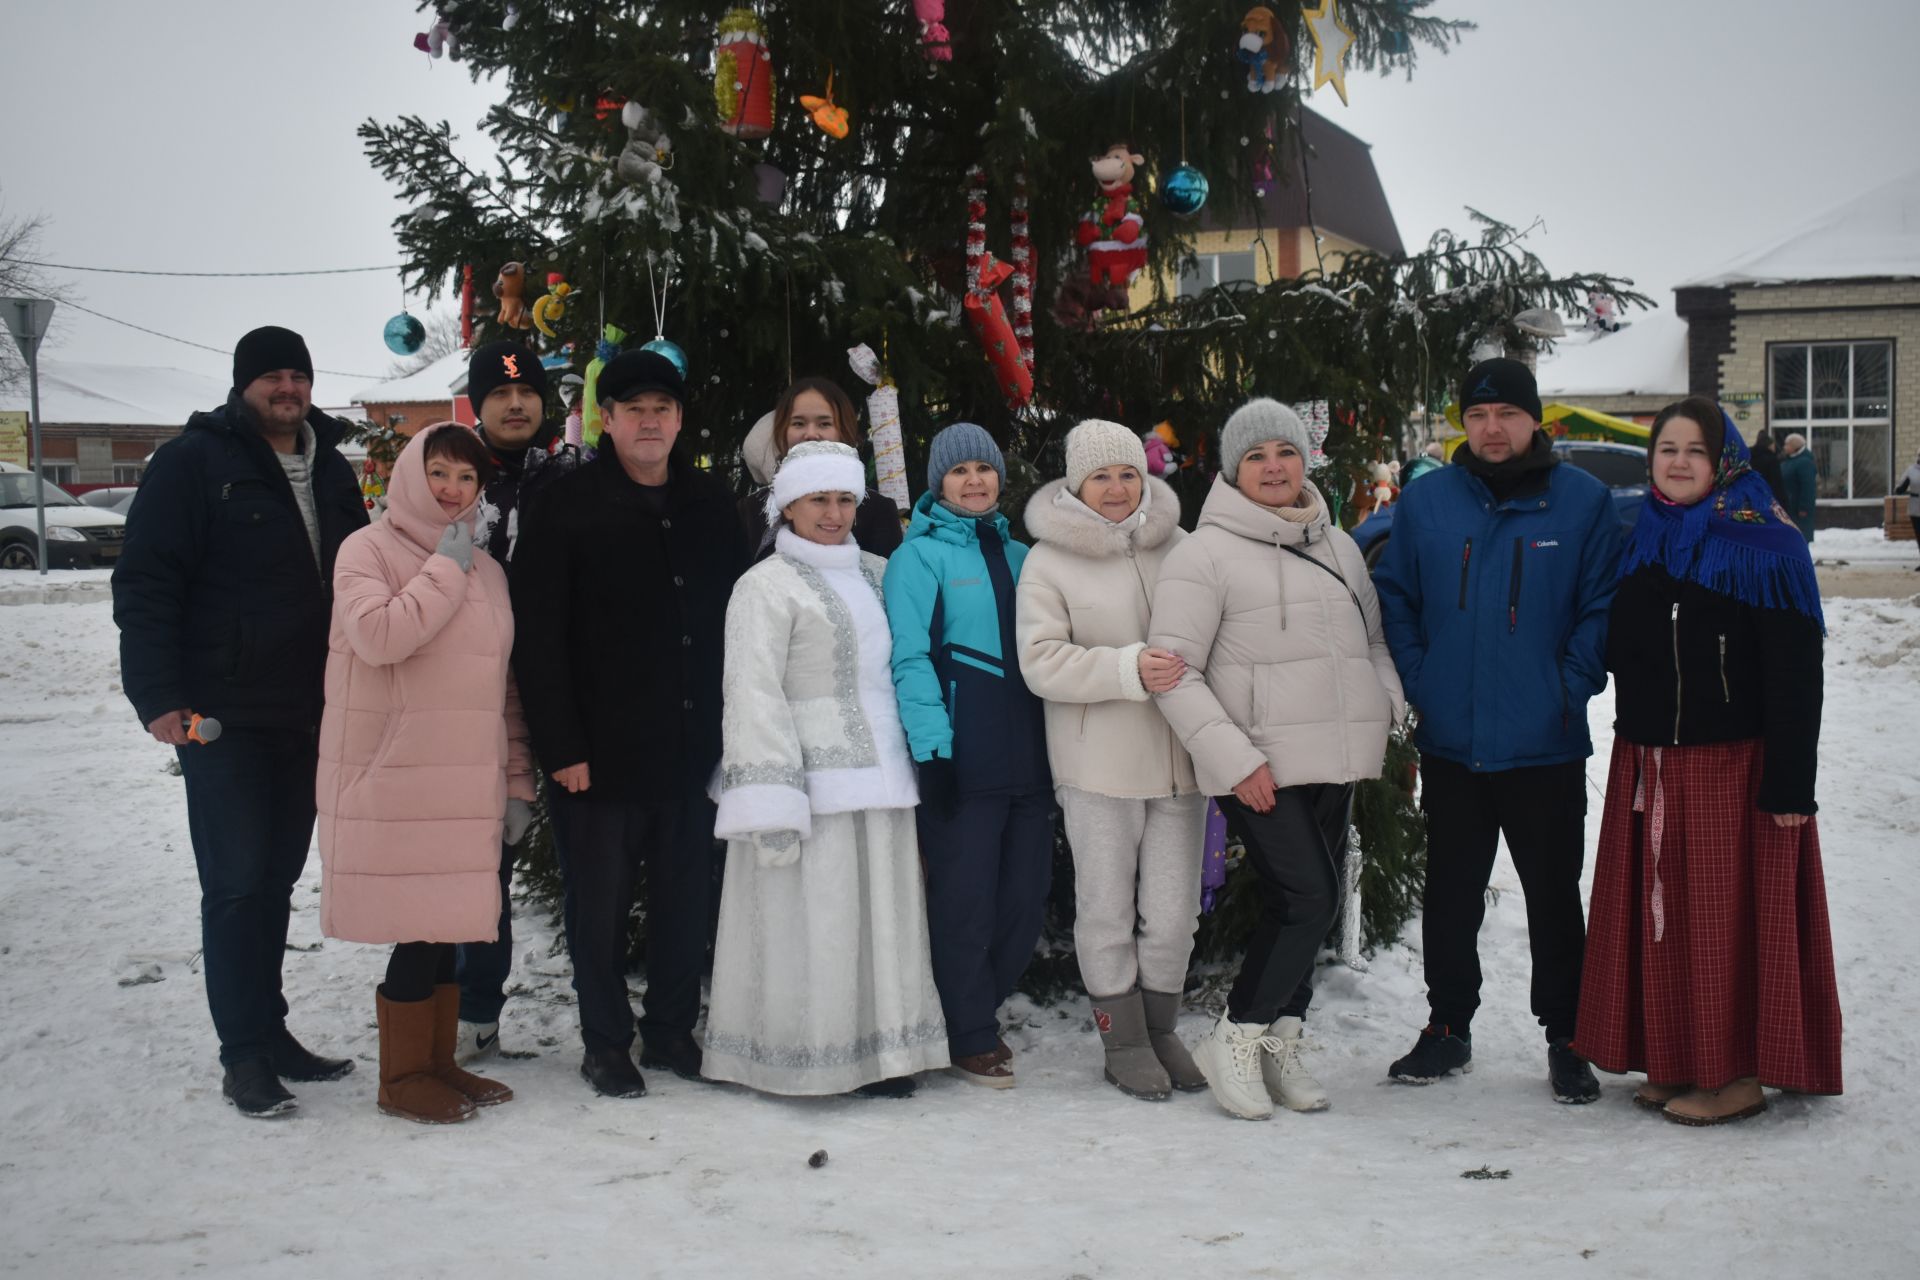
(481, 968)
(250, 813)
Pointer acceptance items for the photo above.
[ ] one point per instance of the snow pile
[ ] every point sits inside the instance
(56, 586)
(1857, 546)
(1872, 235)
(1645, 358)
(117, 1156)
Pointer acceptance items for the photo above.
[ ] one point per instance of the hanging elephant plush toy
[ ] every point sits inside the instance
(1112, 231)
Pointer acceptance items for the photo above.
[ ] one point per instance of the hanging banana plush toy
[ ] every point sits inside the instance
(551, 308)
(611, 336)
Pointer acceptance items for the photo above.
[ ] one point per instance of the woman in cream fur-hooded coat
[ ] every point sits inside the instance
(422, 741)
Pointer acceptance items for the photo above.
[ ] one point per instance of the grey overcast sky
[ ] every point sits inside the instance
(1656, 138)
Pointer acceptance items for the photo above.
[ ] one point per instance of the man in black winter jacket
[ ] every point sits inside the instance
(507, 386)
(620, 587)
(223, 597)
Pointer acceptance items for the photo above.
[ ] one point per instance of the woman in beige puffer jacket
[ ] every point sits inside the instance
(1134, 817)
(1287, 700)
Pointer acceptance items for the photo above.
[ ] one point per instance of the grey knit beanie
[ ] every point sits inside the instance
(1096, 443)
(962, 442)
(1257, 421)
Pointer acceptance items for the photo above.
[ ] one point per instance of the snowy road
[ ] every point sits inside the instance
(118, 1158)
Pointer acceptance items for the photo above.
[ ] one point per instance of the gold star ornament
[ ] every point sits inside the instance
(1332, 41)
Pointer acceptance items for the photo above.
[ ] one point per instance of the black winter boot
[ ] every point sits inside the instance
(1571, 1077)
(612, 1074)
(675, 1051)
(1438, 1053)
(891, 1087)
(294, 1061)
(255, 1091)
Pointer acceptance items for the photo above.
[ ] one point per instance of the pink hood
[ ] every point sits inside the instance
(422, 740)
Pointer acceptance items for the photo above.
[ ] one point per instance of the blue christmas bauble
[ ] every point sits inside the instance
(672, 351)
(404, 334)
(1184, 192)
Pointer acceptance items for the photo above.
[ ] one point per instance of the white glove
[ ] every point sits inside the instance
(456, 543)
(777, 848)
(519, 818)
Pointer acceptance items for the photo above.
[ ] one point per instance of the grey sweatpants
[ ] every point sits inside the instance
(1136, 867)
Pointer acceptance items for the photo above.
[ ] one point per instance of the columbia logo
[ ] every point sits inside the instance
(1546, 542)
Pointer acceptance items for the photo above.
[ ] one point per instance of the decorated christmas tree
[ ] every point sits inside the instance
(992, 195)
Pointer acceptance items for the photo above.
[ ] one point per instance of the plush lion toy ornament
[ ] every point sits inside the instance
(511, 288)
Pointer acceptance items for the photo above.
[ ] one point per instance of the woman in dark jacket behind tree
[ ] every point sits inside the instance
(810, 409)
(1709, 960)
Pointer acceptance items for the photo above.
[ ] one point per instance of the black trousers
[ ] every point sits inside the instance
(1542, 812)
(416, 968)
(482, 968)
(607, 843)
(1296, 849)
(250, 812)
(989, 864)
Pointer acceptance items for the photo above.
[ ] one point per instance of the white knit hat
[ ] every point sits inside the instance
(1097, 443)
(816, 466)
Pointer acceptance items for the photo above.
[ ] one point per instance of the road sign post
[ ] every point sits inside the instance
(27, 319)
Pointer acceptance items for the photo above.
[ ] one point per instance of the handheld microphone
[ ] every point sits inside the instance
(202, 729)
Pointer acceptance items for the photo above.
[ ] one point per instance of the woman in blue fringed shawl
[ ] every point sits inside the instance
(1709, 962)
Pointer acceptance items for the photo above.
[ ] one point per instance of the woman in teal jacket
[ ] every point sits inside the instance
(978, 740)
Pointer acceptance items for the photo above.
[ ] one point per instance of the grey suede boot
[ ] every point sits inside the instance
(1132, 1067)
(1163, 1016)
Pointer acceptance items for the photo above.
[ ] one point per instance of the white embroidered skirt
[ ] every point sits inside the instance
(822, 980)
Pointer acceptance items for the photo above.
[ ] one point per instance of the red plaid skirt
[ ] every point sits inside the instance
(1709, 958)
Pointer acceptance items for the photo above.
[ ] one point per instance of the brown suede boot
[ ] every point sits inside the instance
(1163, 1017)
(408, 1088)
(1655, 1097)
(446, 1035)
(1724, 1105)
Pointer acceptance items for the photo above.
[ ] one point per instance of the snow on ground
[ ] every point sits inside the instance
(1856, 546)
(118, 1158)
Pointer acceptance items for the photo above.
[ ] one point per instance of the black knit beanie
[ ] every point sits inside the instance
(268, 348)
(1501, 381)
(498, 363)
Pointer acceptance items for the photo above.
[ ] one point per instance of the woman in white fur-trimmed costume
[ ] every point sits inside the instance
(822, 980)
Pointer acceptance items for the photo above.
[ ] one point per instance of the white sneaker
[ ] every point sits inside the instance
(476, 1042)
(1288, 1080)
(1230, 1060)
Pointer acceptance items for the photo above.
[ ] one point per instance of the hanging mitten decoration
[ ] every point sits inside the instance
(1264, 48)
(438, 39)
(743, 84)
(1314, 414)
(551, 307)
(1112, 232)
(510, 286)
(986, 317)
(883, 426)
(829, 115)
(611, 336)
(935, 42)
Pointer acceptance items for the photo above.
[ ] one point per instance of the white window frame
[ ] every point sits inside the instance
(1807, 424)
(1205, 273)
(60, 473)
(126, 473)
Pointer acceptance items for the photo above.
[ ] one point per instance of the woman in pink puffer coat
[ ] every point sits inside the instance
(421, 747)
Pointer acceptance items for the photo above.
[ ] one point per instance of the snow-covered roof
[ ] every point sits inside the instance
(120, 395)
(431, 385)
(1876, 235)
(1645, 358)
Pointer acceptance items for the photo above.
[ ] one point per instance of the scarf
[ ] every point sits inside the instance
(965, 514)
(1505, 479)
(1735, 541)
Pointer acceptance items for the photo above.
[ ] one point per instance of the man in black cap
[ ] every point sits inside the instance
(1493, 593)
(223, 597)
(620, 586)
(507, 387)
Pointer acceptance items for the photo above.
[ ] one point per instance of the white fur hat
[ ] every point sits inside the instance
(816, 466)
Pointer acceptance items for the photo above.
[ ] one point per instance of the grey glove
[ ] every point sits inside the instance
(777, 848)
(457, 544)
(519, 818)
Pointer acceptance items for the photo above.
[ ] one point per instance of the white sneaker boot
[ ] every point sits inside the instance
(476, 1042)
(1288, 1080)
(1230, 1060)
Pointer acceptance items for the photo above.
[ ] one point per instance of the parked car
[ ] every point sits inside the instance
(1620, 467)
(78, 536)
(114, 498)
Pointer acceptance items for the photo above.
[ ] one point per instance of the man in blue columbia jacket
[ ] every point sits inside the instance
(1494, 593)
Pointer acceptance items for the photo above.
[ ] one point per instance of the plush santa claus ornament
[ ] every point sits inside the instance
(1112, 231)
